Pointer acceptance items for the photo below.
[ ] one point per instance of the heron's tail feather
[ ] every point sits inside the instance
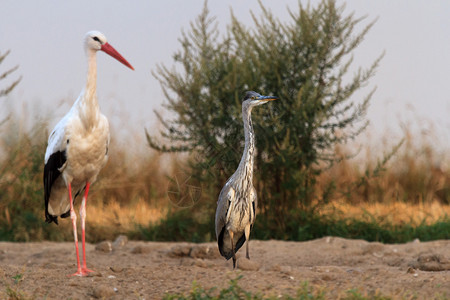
(225, 243)
(50, 218)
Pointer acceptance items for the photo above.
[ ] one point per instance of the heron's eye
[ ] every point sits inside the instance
(253, 97)
(96, 39)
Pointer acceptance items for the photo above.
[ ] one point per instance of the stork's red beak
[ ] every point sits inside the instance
(107, 48)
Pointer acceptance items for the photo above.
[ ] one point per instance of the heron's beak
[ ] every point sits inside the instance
(267, 98)
(107, 48)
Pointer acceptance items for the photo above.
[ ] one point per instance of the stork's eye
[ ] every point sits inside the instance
(96, 39)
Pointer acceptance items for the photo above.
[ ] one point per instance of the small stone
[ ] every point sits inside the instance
(104, 246)
(74, 297)
(140, 249)
(179, 251)
(120, 241)
(374, 248)
(203, 251)
(431, 262)
(103, 291)
(275, 268)
(201, 263)
(326, 277)
(247, 264)
(94, 274)
(411, 270)
(287, 270)
(427, 257)
(186, 262)
(116, 269)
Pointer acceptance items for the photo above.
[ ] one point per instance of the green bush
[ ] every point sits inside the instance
(305, 61)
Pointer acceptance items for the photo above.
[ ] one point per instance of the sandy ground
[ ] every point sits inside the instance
(148, 270)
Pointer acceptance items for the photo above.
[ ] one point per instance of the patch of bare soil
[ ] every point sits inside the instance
(147, 270)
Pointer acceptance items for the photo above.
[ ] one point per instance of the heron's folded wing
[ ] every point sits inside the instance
(225, 198)
(254, 201)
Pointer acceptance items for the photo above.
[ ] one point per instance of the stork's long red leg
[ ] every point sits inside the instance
(83, 222)
(73, 216)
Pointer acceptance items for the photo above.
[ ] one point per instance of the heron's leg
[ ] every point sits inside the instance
(232, 248)
(247, 238)
(73, 216)
(84, 269)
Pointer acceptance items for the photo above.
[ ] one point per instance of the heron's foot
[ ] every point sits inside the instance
(234, 262)
(247, 256)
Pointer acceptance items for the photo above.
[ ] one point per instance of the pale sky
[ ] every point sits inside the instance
(45, 39)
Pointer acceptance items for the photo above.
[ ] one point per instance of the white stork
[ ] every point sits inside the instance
(78, 148)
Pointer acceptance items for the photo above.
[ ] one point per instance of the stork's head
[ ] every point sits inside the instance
(253, 99)
(95, 41)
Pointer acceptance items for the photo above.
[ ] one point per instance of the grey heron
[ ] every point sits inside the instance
(78, 149)
(237, 203)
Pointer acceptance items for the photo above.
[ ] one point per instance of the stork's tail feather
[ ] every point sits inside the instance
(50, 218)
(66, 214)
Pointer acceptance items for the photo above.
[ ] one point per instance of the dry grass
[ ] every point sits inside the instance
(123, 218)
(395, 213)
(106, 221)
(418, 173)
(133, 187)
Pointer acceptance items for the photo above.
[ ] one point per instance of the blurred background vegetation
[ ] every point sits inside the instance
(310, 180)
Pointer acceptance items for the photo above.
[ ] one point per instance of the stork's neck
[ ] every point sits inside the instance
(88, 107)
(245, 167)
(91, 84)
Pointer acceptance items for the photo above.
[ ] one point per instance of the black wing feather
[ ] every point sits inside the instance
(229, 254)
(220, 243)
(51, 173)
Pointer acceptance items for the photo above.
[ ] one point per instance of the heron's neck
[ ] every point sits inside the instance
(88, 105)
(246, 165)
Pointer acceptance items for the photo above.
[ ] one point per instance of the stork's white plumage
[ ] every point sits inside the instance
(78, 148)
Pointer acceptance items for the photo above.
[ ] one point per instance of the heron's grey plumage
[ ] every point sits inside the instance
(237, 203)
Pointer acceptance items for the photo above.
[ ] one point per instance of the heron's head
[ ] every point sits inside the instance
(95, 41)
(253, 99)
